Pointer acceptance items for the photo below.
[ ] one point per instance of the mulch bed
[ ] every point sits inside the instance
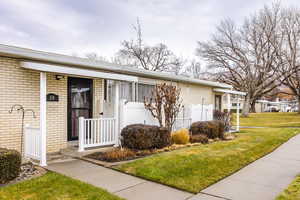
(28, 171)
(100, 156)
(102, 159)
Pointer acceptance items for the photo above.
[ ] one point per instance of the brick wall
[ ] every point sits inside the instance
(21, 86)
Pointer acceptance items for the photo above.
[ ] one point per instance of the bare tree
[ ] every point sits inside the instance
(194, 69)
(246, 57)
(165, 104)
(290, 53)
(95, 56)
(154, 58)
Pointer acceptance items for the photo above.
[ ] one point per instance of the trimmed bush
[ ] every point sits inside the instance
(141, 136)
(10, 165)
(225, 117)
(199, 139)
(212, 129)
(181, 136)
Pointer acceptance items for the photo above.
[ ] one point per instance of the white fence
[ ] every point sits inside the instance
(135, 113)
(97, 132)
(181, 123)
(32, 143)
(198, 112)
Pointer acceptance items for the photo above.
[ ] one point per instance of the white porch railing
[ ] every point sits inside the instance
(97, 132)
(181, 123)
(32, 143)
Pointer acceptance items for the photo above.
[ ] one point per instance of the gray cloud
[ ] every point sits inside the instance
(68, 26)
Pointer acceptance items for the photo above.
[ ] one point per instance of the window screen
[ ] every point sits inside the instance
(144, 91)
(125, 90)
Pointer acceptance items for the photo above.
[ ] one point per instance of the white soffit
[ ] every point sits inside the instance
(230, 91)
(77, 71)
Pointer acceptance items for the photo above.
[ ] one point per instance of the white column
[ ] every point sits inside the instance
(228, 103)
(229, 109)
(238, 114)
(43, 124)
(116, 113)
(81, 134)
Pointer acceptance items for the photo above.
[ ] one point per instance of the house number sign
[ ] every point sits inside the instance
(52, 97)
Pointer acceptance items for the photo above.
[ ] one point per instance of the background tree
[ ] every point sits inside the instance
(95, 56)
(165, 104)
(290, 52)
(194, 69)
(246, 57)
(154, 58)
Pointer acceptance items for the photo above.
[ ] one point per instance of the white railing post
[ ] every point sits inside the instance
(238, 115)
(81, 135)
(116, 113)
(43, 124)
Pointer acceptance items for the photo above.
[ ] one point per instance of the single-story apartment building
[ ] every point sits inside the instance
(60, 89)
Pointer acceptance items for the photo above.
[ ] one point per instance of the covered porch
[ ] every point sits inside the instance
(229, 95)
(93, 129)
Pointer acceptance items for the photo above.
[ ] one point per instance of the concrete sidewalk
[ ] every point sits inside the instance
(123, 185)
(264, 179)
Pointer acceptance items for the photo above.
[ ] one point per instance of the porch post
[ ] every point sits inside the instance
(238, 114)
(228, 103)
(81, 134)
(229, 110)
(116, 113)
(43, 125)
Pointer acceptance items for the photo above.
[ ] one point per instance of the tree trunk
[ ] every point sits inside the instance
(252, 108)
(246, 107)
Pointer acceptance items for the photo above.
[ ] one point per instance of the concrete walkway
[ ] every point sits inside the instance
(264, 179)
(123, 185)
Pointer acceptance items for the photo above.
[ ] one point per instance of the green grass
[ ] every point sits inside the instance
(292, 192)
(271, 120)
(52, 186)
(195, 168)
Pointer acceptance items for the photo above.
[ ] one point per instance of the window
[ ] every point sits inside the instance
(144, 91)
(218, 100)
(125, 90)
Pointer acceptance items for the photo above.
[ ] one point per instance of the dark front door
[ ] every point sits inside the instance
(80, 101)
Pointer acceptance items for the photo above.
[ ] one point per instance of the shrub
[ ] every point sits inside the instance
(199, 139)
(181, 136)
(212, 129)
(117, 155)
(140, 136)
(225, 117)
(10, 164)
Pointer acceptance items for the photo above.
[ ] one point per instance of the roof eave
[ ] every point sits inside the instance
(33, 55)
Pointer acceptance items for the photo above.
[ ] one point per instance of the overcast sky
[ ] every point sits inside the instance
(68, 26)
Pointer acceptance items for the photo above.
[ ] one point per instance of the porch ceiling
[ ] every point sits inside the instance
(77, 71)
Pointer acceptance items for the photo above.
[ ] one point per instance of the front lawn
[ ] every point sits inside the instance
(292, 192)
(194, 168)
(273, 119)
(52, 186)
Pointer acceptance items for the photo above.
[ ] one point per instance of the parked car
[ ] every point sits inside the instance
(272, 109)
